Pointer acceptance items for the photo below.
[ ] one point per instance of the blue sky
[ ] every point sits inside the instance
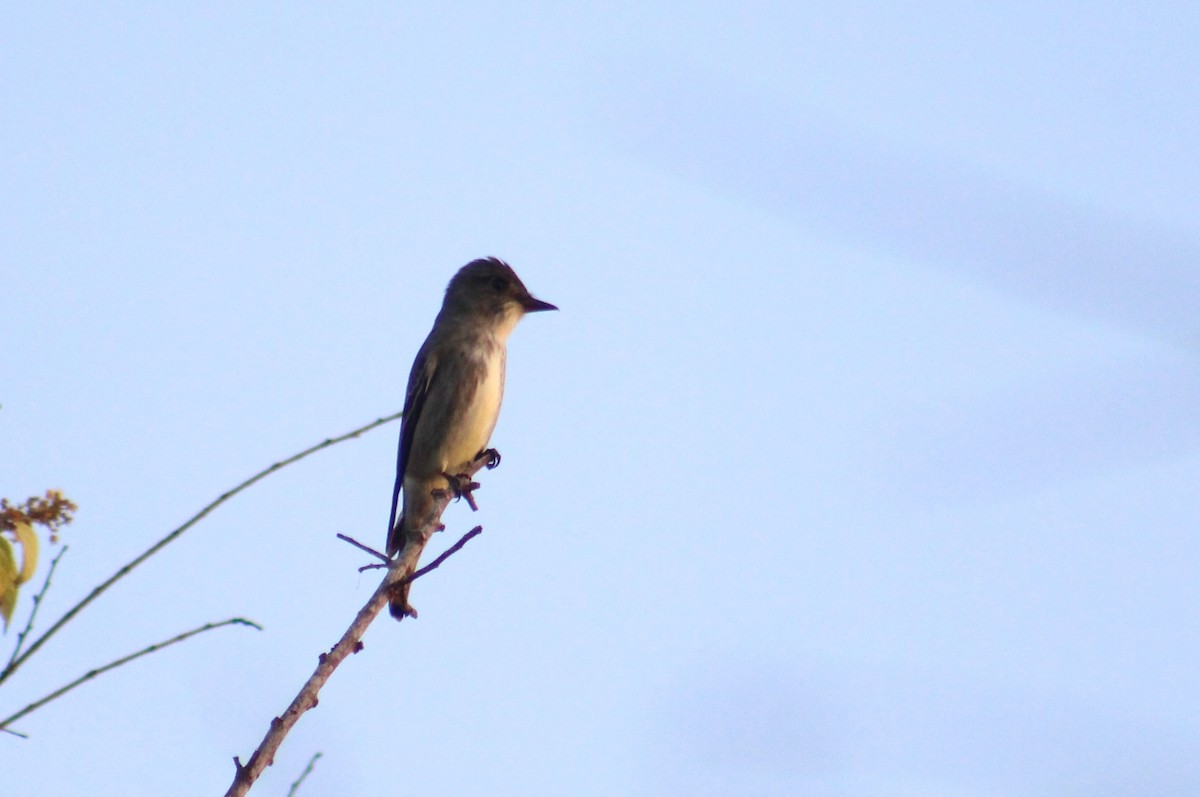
(861, 459)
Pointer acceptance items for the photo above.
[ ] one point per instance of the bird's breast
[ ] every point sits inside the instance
(471, 434)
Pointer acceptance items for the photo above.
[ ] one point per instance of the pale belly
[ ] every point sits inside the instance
(472, 434)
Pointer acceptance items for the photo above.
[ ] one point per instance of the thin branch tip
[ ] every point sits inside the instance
(20, 659)
(361, 547)
(244, 621)
(307, 770)
(112, 665)
(15, 659)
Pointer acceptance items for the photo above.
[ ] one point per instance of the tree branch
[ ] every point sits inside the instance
(415, 540)
(37, 602)
(367, 549)
(112, 665)
(351, 642)
(158, 546)
(296, 783)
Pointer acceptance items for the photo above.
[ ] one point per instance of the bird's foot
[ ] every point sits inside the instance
(461, 486)
(490, 458)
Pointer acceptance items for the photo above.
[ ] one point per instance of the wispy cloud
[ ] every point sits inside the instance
(921, 205)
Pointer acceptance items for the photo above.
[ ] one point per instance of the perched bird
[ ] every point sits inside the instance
(453, 401)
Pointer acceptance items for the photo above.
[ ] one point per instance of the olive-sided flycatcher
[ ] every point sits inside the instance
(453, 400)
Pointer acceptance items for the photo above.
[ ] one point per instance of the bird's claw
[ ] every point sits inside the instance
(490, 457)
(461, 486)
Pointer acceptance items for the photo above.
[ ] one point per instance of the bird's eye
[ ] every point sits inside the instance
(499, 283)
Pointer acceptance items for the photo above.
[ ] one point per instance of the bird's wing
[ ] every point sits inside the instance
(422, 375)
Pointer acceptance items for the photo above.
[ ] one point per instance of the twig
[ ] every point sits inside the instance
(37, 602)
(351, 642)
(436, 563)
(296, 785)
(446, 554)
(153, 549)
(415, 540)
(366, 548)
(123, 660)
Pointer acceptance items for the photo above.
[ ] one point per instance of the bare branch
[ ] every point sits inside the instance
(446, 554)
(351, 642)
(37, 602)
(308, 769)
(416, 539)
(366, 548)
(158, 546)
(436, 563)
(112, 665)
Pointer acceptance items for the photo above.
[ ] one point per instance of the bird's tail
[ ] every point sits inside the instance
(395, 539)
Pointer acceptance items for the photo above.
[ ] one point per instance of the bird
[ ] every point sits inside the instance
(451, 405)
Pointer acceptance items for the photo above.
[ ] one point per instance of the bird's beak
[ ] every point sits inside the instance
(532, 305)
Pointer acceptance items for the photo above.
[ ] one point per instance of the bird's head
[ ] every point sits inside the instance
(489, 289)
